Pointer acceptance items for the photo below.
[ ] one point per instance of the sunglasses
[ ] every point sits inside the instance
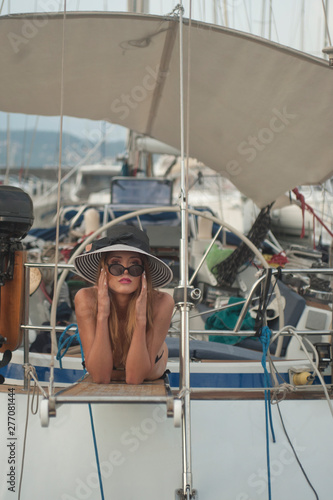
(117, 269)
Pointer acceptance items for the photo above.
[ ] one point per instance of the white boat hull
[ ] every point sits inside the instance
(140, 451)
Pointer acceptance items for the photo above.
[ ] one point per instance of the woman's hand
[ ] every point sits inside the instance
(103, 294)
(141, 302)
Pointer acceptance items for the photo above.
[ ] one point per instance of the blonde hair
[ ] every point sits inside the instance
(121, 340)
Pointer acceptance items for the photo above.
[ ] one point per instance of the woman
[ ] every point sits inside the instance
(123, 320)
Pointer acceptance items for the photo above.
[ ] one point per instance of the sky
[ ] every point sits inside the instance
(299, 24)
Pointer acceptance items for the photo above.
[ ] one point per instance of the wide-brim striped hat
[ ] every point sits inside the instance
(122, 239)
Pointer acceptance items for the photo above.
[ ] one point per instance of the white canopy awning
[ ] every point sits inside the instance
(260, 114)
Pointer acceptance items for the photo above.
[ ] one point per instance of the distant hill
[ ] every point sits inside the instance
(41, 149)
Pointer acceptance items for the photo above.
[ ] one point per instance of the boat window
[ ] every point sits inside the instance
(140, 191)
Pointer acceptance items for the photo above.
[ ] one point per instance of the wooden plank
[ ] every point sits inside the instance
(222, 394)
(18, 389)
(244, 395)
(88, 388)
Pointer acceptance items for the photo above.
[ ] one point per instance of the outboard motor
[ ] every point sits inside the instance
(16, 218)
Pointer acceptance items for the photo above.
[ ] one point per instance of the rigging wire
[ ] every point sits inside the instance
(327, 30)
(25, 176)
(275, 27)
(81, 162)
(294, 452)
(21, 176)
(54, 303)
(187, 125)
(7, 150)
(248, 19)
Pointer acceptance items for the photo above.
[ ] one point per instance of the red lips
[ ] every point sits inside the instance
(125, 281)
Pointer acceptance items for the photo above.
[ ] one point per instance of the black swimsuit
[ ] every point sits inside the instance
(156, 361)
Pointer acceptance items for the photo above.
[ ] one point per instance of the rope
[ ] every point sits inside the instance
(183, 392)
(265, 338)
(65, 343)
(306, 206)
(283, 389)
(226, 271)
(278, 259)
(30, 373)
(96, 452)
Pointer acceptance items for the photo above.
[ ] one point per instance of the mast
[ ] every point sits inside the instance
(327, 40)
(184, 295)
(139, 6)
(302, 25)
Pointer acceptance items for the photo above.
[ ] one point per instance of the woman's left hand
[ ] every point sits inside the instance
(141, 303)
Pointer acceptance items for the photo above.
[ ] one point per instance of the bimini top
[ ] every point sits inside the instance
(260, 114)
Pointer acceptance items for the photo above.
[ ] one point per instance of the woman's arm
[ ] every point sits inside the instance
(92, 308)
(140, 363)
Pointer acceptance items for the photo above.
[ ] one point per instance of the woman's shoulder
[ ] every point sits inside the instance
(85, 297)
(163, 299)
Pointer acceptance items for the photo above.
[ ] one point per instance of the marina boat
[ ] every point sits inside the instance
(243, 423)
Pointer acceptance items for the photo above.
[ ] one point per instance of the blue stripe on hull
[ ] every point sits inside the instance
(230, 380)
(66, 376)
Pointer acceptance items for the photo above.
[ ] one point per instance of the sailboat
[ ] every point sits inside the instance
(259, 113)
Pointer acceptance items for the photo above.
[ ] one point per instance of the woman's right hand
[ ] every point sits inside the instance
(103, 294)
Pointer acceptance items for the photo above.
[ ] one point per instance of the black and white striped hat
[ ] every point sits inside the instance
(122, 238)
